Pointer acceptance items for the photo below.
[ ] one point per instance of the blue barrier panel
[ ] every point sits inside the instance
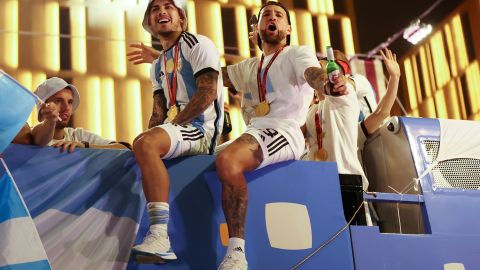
(293, 208)
(376, 251)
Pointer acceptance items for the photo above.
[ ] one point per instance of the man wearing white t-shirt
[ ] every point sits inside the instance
(61, 101)
(187, 117)
(332, 128)
(276, 97)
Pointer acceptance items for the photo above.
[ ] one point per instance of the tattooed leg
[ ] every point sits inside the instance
(244, 154)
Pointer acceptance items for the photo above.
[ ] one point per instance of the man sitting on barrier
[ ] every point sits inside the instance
(277, 90)
(61, 101)
(186, 82)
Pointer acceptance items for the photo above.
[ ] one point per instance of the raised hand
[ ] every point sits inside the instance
(49, 112)
(70, 145)
(390, 61)
(142, 54)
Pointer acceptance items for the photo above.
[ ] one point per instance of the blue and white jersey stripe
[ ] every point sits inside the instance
(197, 55)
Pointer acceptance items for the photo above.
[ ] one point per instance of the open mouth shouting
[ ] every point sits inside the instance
(272, 27)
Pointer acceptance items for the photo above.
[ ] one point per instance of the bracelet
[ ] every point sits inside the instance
(86, 144)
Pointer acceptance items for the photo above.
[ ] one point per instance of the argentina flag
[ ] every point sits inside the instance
(86, 205)
(16, 104)
(20, 244)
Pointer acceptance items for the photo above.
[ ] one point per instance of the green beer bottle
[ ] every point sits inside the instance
(333, 72)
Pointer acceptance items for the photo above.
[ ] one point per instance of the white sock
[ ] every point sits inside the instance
(236, 245)
(158, 213)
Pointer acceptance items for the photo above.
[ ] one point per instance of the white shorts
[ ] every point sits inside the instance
(187, 140)
(275, 146)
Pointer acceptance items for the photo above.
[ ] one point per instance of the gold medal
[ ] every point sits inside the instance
(172, 113)
(262, 109)
(321, 155)
(170, 65)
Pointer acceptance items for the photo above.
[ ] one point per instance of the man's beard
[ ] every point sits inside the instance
(275, 39)
(61, 125)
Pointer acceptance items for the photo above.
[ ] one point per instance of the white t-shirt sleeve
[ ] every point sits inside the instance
(154, 77)
(204, 55)
(303, 59)
(92, 138)
(237, 75)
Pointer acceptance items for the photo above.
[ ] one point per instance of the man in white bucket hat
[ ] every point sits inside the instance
(61, 101)
(187, 115)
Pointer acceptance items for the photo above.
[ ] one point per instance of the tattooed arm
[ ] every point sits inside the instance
(159, 112)
(204, 96)
(316, 77)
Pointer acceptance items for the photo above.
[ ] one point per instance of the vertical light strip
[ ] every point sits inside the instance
(324, 33)
(348, 36)
(472, 76)
(459, 43)
(238, 124)
(134, 106)
(118, 47)
(452, 101)
(88, 114)
(329, 7)
(304, 22)
(295, 29)
(107, 98)
(51, 59)
(410, 84)
(440, 104)
(313, 6)
(211, 25)
(192, 21)
(451, 50)
(242, 31)
(442, 74)
(9, 41)
(92, 102)
(322, 7)
(78, 29)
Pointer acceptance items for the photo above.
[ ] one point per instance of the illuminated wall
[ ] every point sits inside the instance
(85, 43)
(442, 75)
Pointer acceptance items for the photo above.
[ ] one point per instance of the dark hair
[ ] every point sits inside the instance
(272, 3)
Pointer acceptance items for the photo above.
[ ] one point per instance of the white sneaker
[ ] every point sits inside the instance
(234, 261)
(154, 249)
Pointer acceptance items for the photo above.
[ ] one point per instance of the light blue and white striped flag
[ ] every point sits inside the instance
(20, 244)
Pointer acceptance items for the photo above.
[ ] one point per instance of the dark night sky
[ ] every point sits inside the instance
(379, 19)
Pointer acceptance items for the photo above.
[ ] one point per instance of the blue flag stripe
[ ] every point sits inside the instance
(40, 265)
(10, 204)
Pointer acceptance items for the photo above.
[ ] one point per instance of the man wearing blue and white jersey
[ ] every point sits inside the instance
(187, 114)
(197, 55)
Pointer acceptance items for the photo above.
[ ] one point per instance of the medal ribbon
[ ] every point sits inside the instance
(172, 86)
(318, 127)
(262, 80)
